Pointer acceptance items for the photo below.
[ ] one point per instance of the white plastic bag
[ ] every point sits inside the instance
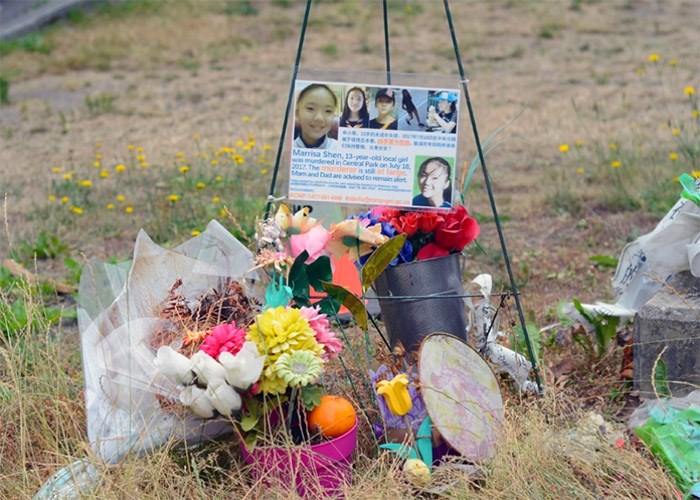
(119, 307)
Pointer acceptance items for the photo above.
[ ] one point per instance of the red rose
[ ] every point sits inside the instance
(385, 214)
(457, 231)
(428, 221)
(430, 251)
(407, 223)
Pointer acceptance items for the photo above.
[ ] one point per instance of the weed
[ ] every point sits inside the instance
(549, 30)
(34, 42)
(330, 49)
(47, 246)
(100, 104)
(4, 90)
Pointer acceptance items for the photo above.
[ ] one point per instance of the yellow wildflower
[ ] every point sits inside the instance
(76, 210)
(222, 212)
(580, 171)
(130, 147)
(64, 199)
(251, 138)
(143, 164)
(263, 171)
(139, 149)
(239, 143)
(140, 157)
(579, 143)
(563, 148)
(97, 164)
(246, 119)
(616, 164)
(673, 156)
(216, 199)
(121, 197)
(695, 174)
(179, 154)
(194, 233)
(173, 197)
(639, 70)
(676, 131)
(653, 58)
(267, 147)
(673, 62)
(109, 206)
(695, 113)
(689, 90)
(218, 178)
(612, 146)
(128, 209)
(98, 156)
(85, 183)
(200, 185)
(68, 176)
(184, 169)
(120, 168)
(52, 197)
(104, 174)
(57, 170)
(214, 162)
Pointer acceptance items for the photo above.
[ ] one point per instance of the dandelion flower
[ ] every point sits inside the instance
(689, 90)
(64, 199)
(222, 212)
(612, 146)
(615, 164)
(299, 368)
(579, 143)
(246, 119)
(76, 210)
(140, 157)
(195, 233)
(179, 154)
(173, 198)
(52, 197)
(267, 147)
(57, 170)
(85, 183)
(130, 147)
(263, 171)
(184, 169)
(98, 145)
(200, 185)
(695, 113)
(580, 171)
(68, 176)
(109, 206)
(673, 156)
(214, 163)
(239, 143)
(139, 149)
(121, 197)
(673, 62)
(104, 174)
(695, 174)
(215, 199)
(120, 168)
(97, 164)
(653, 58)
(143, 164)
(218, 178)
(563, 148)
(98, 156)
(676, 131)
(129, 209)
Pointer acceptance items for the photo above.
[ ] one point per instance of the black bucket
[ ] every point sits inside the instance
(409, 320)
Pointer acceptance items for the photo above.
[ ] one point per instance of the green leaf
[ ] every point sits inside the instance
(248, 422)
(603, 260)
(661, 388)
(403, 451)
(349, 300)
(298, 280)
(424, 442)
(535, 340)
(380, 259)
(318, 271)
(311, 396)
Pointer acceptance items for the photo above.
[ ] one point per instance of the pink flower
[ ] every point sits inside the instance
(223, 338)
(313, 241)
(324, 335)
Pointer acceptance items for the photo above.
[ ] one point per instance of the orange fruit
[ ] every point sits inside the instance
(333, 417)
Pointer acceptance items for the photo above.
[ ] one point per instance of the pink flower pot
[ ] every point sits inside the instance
(316, 471)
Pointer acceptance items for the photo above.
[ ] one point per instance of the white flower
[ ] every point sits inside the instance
(197, 400)
(224, 398)
(207, 368)
(243, 369)
(176, 367)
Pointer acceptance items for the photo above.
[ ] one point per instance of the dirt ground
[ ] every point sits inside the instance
(201, 75)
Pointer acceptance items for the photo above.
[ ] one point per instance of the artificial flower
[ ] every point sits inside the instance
(324, 335)
(458, 230)
(431, 251)
(298, 223)
(207, 369)
(197, 400)
(176, 367)
(396, 395)
(244, 368)
(277, 331)
(223, 338)
(356, 237)
(313, 241)
(223, 397)
(298, 368)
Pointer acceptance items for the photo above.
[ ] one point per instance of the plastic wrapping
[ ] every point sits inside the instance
(119, 306)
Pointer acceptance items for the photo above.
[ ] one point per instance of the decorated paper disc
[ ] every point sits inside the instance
(461, 394)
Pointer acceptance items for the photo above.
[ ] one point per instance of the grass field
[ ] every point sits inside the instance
(165, 114)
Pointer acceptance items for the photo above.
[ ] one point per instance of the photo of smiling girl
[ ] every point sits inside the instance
(315, 115)
(355, 112)
(384, 101)
(434, 182)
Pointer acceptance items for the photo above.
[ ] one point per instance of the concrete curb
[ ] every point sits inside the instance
(34, 18)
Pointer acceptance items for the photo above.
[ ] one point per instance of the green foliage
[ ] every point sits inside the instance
(519, 344)
(4, 90)
(100, 104)
(605, 328)
(380, 259)
(47, 246)
(240, 7)
(604, 260)
(330, 49)
(311, 396)
(22, 315)
(660, 380)
(33, 42)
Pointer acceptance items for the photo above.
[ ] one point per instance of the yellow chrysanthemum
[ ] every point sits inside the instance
(278, 331)
(76, 210)
(141, 158)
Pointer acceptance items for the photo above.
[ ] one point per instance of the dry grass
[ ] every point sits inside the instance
(167, 71)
